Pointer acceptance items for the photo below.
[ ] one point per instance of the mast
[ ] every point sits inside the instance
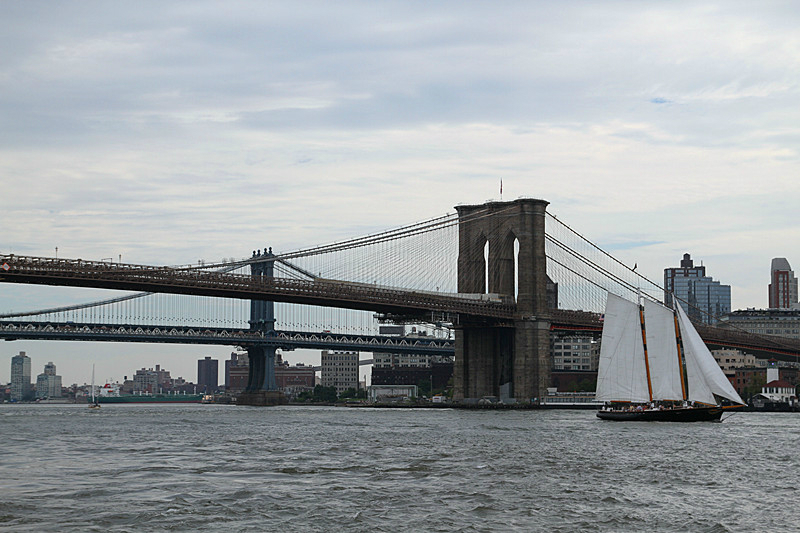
(93, 383)
(644, 345)
(679, 345)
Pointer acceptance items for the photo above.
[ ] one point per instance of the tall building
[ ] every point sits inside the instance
(20, 376)
(704, 299)
(208, 374)
(340, 370)
(48, 384)
(783, 285)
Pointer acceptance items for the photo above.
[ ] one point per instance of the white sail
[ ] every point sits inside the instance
(621, 374)
(705, 377)
(662, 352)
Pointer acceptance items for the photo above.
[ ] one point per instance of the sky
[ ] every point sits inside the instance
(168, 132)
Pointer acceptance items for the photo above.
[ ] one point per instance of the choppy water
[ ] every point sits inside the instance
(228, 468)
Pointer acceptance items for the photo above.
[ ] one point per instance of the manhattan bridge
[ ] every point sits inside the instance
(491, 283)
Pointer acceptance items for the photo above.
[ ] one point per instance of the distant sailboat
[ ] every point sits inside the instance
(654, 366)
(94, 404)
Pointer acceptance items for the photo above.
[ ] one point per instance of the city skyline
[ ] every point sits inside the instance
(653, 129)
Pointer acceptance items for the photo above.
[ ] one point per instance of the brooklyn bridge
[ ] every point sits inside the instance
(493, 282)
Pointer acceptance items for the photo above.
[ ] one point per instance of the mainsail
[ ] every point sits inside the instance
(621, 374)
(662, 349)
(703, 374)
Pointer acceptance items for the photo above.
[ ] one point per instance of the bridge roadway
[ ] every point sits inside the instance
(329, 293)
(80, 273)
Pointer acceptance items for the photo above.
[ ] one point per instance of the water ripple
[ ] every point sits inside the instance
(222, 468)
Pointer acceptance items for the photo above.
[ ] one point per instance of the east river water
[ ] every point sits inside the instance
(318, 469)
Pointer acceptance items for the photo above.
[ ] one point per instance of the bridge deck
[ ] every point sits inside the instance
(79, 273)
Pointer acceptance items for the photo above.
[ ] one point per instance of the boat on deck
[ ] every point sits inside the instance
(655, 367)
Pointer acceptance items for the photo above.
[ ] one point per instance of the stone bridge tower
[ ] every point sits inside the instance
(509, 359)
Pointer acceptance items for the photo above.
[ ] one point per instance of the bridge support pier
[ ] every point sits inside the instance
(510, 361)
(261, 386)
(262, 368)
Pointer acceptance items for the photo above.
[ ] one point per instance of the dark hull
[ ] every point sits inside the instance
(691, 414)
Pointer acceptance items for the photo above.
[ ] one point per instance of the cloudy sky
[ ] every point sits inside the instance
(166, 132)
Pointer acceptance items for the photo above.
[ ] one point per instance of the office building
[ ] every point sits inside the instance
(729, 360)
(340, 370)
(782, 322)
(704, 299)
(207, 374)
(48, 384)
(575, 352)
(20, 377)
(783, 285)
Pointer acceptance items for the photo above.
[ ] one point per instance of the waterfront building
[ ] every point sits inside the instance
(20, 377)
(749, 381)
(339, 369)
(703, 298)
(575, 352)
(783, 285)
(391, 393)
(48, 384)
(729, 360)
(149, 381)
(237, 369)
(781, 322)
(293, 380)
(145, 381)
(411, 369)
(207, 374)
(437, 374)
(406, 360)
(776, 394)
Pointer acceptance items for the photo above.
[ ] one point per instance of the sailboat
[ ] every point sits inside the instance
(94, 404)
(654, 366)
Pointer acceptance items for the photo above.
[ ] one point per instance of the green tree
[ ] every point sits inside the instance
(587, 385)
(754, 387)
(353, 393)
(320, 394)
(325, 394)
(424, 387)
